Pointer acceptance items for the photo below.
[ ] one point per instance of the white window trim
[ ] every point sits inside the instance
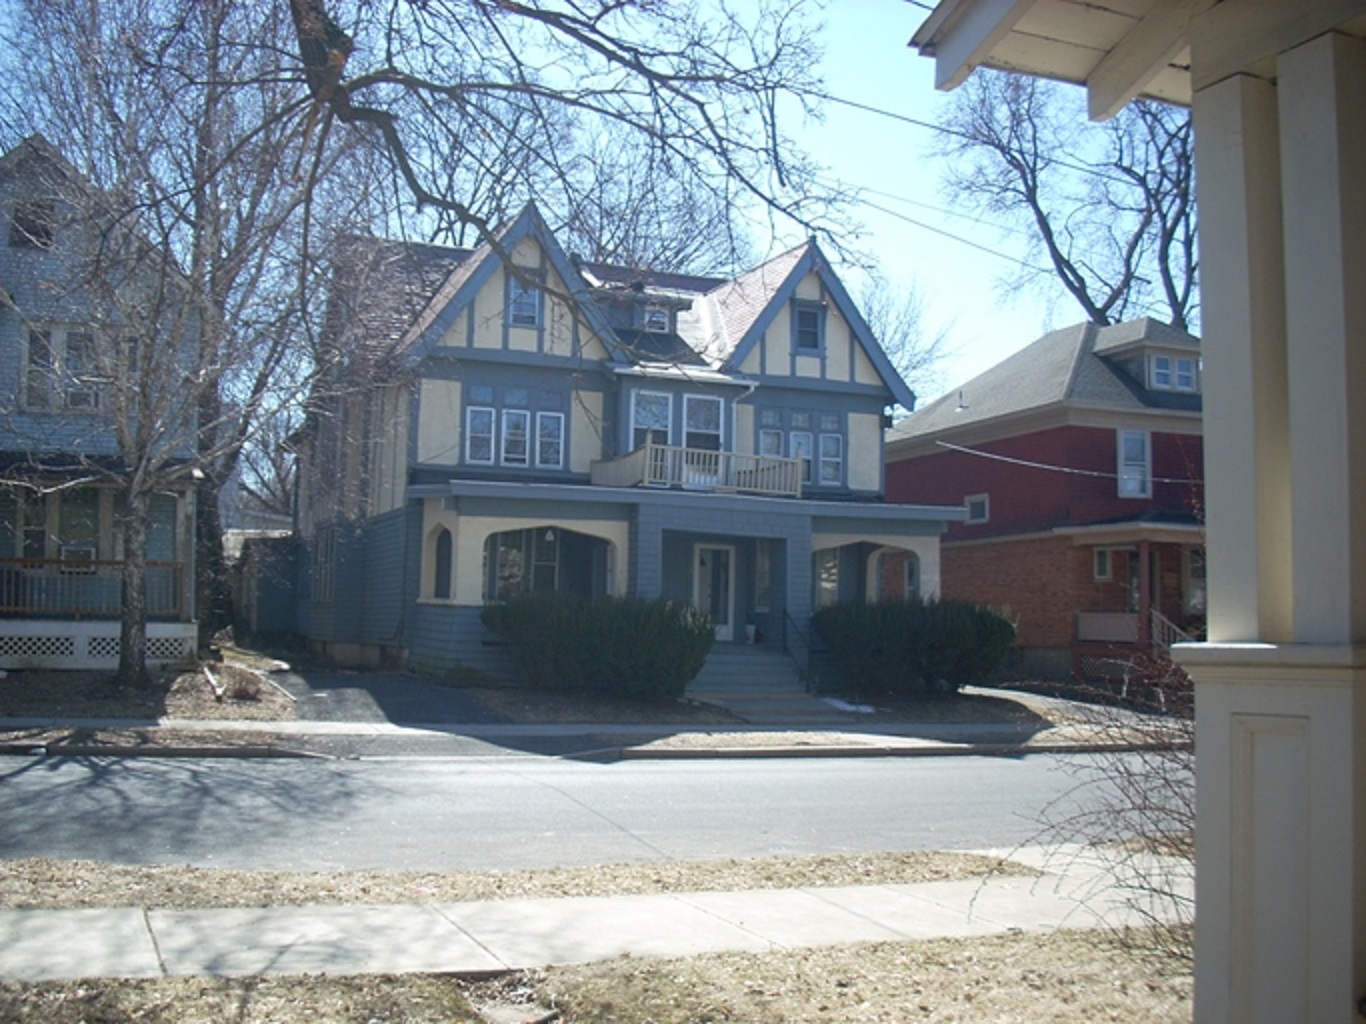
(689, 401)
(509, 414)
(837, 460)
(969, 500)
(547, 417)
(519, 289)
(773, 434)
(635, 401)
(1123, 469)
(655, 319)
(492, 434)
(1181, 373)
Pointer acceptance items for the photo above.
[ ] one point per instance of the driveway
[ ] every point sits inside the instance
(336, 695)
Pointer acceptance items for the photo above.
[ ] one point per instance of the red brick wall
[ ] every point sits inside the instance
(1026, 498)
(1030, 581)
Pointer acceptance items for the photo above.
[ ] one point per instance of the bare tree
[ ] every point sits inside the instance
(1112, 209)
(691, 96)
(897, 319)
(176, 121)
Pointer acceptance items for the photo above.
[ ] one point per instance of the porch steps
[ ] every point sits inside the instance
(759, 684)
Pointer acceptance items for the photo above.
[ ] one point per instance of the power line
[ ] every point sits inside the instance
(952, 132)
(1070, 470)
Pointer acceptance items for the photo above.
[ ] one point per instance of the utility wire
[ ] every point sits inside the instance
(1071, 470)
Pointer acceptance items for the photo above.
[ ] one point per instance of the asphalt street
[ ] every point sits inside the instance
(487, 814)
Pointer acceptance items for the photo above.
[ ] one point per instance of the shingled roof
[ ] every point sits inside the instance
(1074, 367)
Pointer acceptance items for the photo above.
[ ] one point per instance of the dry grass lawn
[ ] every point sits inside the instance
(1062, 978)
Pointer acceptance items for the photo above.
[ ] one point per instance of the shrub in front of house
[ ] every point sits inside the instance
(913, 647)
(624, 646)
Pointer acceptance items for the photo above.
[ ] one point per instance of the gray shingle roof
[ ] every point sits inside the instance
(1075, 366)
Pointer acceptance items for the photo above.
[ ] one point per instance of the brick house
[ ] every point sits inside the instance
(1079, 463)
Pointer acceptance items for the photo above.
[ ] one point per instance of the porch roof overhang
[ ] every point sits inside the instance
(863, 511)
(1163, 49)
(1133, 531)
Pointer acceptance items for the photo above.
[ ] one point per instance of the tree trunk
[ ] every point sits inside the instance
(132, 670)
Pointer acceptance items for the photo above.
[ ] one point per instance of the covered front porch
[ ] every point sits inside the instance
(1141, 589)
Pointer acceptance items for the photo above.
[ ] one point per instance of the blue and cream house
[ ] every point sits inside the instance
(510, 419)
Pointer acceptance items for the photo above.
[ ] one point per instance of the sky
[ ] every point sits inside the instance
(910, 229)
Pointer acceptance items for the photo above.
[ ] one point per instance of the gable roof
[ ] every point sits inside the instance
(1068, 368)
(733, 317)
(422, 289)
(466, 280)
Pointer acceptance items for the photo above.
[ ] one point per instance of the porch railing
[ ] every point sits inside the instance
(84, 588)
(657, 465)
(1165, 632)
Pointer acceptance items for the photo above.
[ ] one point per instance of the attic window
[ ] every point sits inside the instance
(524, 303)
(34, 224)
(1173, 373)
(656, 319)
(808, 326)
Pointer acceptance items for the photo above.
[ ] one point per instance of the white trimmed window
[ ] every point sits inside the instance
(516, 438)
(655, 319)
(479, 435)
(549, 440)
(524, 303)
(1134, 458)
(1173, 373)
(832, 459)
(979, 508)
(771, 442)
(702, 422)
(650, 417)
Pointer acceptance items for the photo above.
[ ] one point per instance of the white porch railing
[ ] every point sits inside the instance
(657, 465)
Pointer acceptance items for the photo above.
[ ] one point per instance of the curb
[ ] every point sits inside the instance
(151, 750)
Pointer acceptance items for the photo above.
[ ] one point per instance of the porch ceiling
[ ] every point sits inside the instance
(1121, 49)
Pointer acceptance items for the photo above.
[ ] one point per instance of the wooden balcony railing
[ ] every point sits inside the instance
(697, 469)
(84, 589)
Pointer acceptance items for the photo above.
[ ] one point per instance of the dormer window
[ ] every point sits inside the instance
(1173, 373)
(656, 319)
(808, 327)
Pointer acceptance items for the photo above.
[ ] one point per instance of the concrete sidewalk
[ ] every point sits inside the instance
(486, 937)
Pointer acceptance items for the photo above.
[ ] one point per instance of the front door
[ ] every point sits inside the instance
(714, 586)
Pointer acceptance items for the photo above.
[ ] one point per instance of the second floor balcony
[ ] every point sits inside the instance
(698, 469)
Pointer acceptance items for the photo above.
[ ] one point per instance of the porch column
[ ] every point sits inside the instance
(1145, 595)
(1281, 687)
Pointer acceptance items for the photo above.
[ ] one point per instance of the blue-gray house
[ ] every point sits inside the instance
(507, 419)
(67, 357)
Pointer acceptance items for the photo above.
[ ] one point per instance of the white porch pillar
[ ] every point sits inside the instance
(1281, 687)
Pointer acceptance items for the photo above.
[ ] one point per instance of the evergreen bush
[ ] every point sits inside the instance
(914, 646)
(624, 646)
